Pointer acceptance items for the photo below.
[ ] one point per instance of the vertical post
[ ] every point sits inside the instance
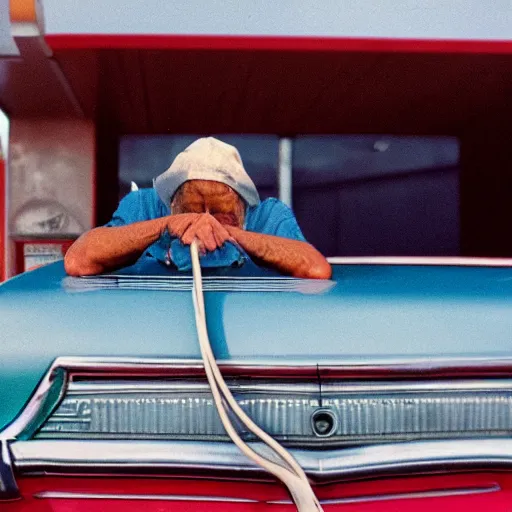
(285, 170)
(3, 210)
(4, 142)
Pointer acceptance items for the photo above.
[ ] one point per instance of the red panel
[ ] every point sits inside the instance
(369, 496)
(188, 42)
(19, 249)
(3, 209)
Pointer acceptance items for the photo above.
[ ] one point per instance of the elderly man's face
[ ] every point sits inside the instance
(201, 196)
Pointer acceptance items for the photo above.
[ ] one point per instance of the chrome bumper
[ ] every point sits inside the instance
(224, 459)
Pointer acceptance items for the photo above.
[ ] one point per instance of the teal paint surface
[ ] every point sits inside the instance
(372, 312)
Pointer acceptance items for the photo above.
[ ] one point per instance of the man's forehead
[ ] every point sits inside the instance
(206, 188)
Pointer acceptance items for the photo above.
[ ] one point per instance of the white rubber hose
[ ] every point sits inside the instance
(288, 470)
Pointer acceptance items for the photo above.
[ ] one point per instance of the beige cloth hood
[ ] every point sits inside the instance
(207, 159)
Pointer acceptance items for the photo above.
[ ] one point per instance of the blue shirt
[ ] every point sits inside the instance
(270, 217)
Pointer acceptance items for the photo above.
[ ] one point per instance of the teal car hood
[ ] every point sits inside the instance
(371, 312)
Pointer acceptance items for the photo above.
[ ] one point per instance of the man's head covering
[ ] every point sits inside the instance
(207, 159)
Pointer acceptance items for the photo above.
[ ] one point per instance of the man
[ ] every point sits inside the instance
(206, 195)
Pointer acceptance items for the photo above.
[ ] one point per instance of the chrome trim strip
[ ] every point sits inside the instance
(213, 457)
(421, 260)
(300, 387)
(365, 363)
(8, 487)
(153, 386)
(146, 497)
(425, 386)
(291, 368)
(227, 499)
(401, 496)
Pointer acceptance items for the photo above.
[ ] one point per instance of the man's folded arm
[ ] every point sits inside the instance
(108, 248)
(111, 247)
(292, 257)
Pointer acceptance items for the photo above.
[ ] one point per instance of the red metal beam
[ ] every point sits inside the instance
(215, 42)
(3, 208)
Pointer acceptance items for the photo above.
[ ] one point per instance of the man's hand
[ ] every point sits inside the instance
(210, 233)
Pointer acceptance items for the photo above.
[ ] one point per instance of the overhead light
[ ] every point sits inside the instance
(381, 145)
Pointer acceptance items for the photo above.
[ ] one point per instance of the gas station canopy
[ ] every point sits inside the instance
(212, 67)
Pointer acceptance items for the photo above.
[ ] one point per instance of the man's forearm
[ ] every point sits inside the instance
(108, 248)
(292, 257)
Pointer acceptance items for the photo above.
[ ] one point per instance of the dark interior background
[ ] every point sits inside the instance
(295, 93)
(352, 194)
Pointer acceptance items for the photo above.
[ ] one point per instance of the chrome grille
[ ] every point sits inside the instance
(177, 410)
(360, 413)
